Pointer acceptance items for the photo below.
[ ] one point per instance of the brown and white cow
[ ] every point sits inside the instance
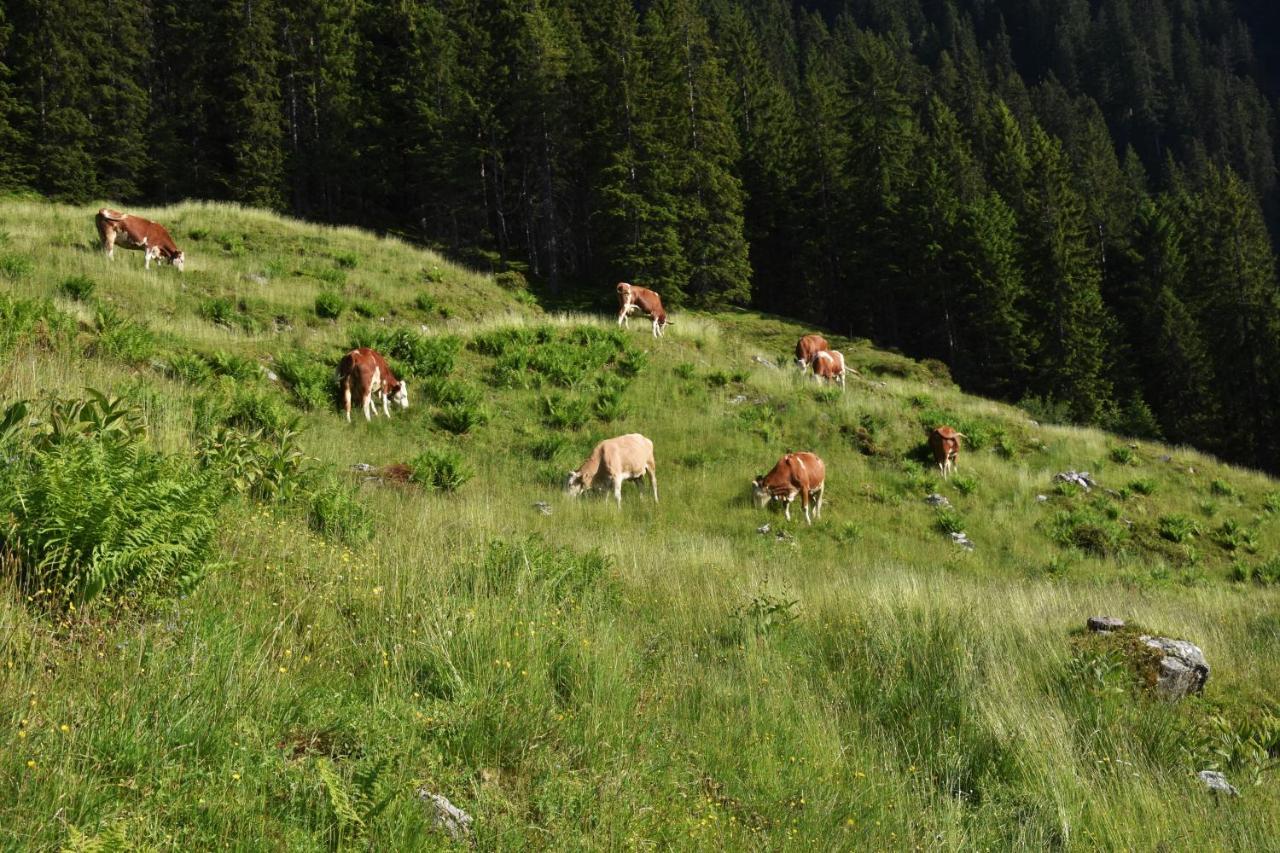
(367, 372)
(613, 462)
(945, 444)
(829, 364)
(807, 348)
(632, 298)
(801, 474)
(134, 232)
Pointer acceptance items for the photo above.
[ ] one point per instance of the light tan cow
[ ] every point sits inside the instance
(613, 462)
(945, 444)
(802, 474)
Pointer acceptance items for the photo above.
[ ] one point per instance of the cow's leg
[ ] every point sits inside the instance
(622, 316)
(109, 242)
(817, 507)
(786, 508)
(804, 503)
(366, 403)
(346, 397)
(618, 480)
(386, 405)
(653, 480)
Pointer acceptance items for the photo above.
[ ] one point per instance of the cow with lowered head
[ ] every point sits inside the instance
(612, 463)
(134, 232)
(635, 298)
(802, 474)
(365, 371)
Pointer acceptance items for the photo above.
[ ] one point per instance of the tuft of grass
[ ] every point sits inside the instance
(77, 287)
(335, 510)
(14, 266)
(461, 417)
(440, 469)
(1177, 528)
(330, 305)
(561, 411)
(121, 338)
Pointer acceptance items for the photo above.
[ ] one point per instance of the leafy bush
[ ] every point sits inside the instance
(88, 509)
(1046, 410)
(265, 466)
(442, 470)
(966, 484)
(495, 342)
(190, 368)
(1177, 528)
(330, 305)
(460, 418)
(409, 353)
(561, 411)
(1123, 456)
(684, 370)
(337, 512)
(1143, 487)
(346, 260)
(548, 446)
(950, 521)
(219, 310)
(13, 266)
(251, 409)
(608, 405)
(1271, 503)
(511, 280)
(426, 303)
(365, 308)
(767, 612)
(23, 320)
(78, 287)
(1087, 529)
(311, 380)
(238, 367)
(717, 379)
(1231, 535)
(122, 338)
(1223, 489)
(445, 392)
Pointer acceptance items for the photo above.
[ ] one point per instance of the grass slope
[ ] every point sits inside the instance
(666, 676)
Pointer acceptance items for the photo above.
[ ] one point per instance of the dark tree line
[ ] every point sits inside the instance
(1062, 199)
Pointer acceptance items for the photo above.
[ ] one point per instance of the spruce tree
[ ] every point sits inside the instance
(14, 168)
(254, 124)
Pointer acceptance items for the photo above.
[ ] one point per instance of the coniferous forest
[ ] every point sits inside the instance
(1071, 203)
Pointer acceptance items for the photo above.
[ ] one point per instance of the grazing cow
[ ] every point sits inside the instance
(829, 364)
(632, 298)
(945, 444)
(134, 232)
(613, 462)
(367, 371)
(801, 474)
(807, 348)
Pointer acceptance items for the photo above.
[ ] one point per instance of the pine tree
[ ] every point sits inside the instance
(252, 114)
(14, 169)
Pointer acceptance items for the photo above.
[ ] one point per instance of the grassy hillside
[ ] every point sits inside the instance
(664, 676)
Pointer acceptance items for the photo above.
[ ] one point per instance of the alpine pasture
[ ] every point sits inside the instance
(571, 675)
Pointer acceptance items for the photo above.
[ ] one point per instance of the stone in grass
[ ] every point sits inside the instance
(542, 507)
(937, 500)
(1105, 624)
(1217, 783)
(962, 539)
(1183, 668)
(447, 816)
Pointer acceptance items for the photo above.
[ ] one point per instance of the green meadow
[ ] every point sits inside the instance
(320, 643)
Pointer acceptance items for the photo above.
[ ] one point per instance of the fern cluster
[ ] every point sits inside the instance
(88, 509)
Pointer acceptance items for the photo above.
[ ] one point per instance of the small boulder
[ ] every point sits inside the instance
(738, 399)
(962, 539)
(1217, 783)
(542, 507)
(1080, 478)
(1183, 668)
(762, 529)
(940, 501)
(362, 467)
(1041, 498)
(1105, 624)
(446, 815)
(758, 359)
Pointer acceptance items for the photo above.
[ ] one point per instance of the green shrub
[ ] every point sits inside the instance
(1143, 487)
(950, 521)
(608, 405)
(447, 392)
(441, 470)
(1177, 528)
(78, 287)
(14, 266)
(965, 484)
(511, 280)
(495, 342)
(252, 409)
(190, 368)
(254, 462)
(238, 367)
(560, 411)
(1089, 530)
(548, 446)
(426, 303)
(219, 310)
(24, 320)
(337, 512)
(1223, 489)
(365, 308)
(1271, 503)
(1123, 456)
(1232, 536)
(121, 338)
(461, 418)
(684, 370)
(346, 260)
(717, 379)
(311, 380)
(434, 275)
(330, 305)
(88, 510)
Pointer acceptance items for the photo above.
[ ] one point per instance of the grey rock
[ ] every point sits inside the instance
(364, 467)
(940, 501)
(762, 360)
(1217, 783)
(738, 399)
(256, 278)
(1041, 498)
(271, 376)
(1166, 458)
(424, 328)
(962, 539)
(542, 507)
(1080, 478)
(762, 529)
(1105, 624)
(1183, 669)
(447, 816)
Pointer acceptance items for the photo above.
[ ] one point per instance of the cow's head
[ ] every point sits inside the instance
(401, 395)
(178, 259)
(574, 485)
(759, 492)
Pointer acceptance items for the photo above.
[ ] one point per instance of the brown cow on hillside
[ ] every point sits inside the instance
(945, 444)
(801, 474)
(134, 232)
(807, 348)
(632, 297)
(613, 462)
(367, 371)
(829, 364)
